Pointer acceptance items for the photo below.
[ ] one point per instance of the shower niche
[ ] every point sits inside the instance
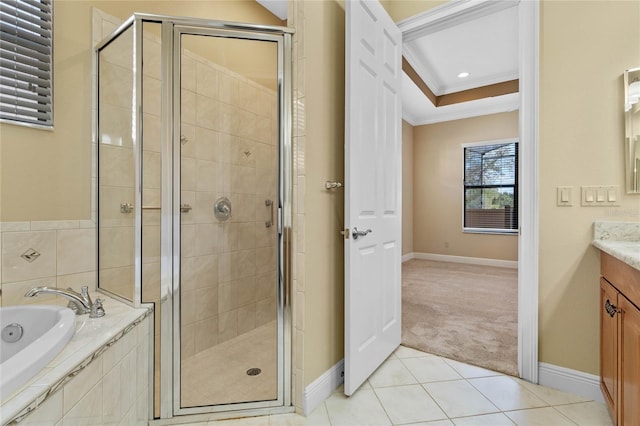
(194, 165)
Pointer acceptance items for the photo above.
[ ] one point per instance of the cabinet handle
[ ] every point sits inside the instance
(611, 309)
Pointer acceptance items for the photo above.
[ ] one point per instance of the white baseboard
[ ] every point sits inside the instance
(463, 259)
(573, 381)
(322, 387)
(407, 256)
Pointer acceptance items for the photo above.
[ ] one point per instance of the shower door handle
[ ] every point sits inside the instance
(269, 205)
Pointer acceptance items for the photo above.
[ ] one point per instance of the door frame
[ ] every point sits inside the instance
(529, 57)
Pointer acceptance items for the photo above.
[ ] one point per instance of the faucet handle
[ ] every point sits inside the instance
(84, 291)
(97, 310)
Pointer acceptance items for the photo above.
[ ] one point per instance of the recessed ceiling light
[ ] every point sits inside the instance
(463, 75)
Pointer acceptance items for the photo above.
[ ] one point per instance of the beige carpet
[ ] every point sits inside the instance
(464, 312)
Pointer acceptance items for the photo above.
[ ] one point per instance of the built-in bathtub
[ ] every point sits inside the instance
(100, 377)
(32, 335)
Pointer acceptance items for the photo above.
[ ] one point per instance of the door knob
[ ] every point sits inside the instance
(357, 233)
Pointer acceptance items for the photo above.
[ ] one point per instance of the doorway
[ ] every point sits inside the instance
(528, 28)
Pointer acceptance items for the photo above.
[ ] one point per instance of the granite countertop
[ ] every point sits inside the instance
(625, 251)
(619, 239)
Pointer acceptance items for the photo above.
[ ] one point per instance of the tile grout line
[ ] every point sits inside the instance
(380, 401)
(421, 384)
(381, 404)
(522, 388)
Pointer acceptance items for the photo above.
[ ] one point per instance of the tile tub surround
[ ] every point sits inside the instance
(108, 356)
(619, 239)
(66, 258)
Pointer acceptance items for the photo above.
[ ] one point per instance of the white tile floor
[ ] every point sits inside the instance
(417, 388)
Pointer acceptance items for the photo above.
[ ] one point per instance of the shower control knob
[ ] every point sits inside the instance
(222, 209)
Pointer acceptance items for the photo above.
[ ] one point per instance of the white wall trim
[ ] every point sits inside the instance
(448, 15)
(408, 256)
(528, 242)
(573, 381)
(322, 387)
(468, 260)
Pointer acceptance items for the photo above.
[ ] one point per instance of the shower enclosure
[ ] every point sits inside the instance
(194, 202)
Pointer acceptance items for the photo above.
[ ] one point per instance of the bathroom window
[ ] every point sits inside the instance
(491, 187)
(26, 30)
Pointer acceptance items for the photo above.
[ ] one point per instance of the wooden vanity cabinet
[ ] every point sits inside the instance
(620, 340)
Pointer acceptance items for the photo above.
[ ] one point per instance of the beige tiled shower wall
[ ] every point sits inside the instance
(65, 258)
(229, 149)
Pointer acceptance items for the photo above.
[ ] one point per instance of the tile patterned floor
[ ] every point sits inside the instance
(416, 388)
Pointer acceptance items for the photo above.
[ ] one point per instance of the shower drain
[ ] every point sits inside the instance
(253, 371)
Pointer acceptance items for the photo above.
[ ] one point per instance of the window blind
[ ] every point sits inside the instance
(26, 62)
(491, 187)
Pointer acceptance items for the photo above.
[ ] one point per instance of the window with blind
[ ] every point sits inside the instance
(491, 187)
(26, 62)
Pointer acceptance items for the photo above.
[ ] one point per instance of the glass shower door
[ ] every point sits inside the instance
(227, 139)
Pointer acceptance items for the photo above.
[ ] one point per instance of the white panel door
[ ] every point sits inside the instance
(373, 188)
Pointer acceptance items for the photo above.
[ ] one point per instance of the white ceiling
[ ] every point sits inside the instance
(486, 47)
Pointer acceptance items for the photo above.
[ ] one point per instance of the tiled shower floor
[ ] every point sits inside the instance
(218, 375)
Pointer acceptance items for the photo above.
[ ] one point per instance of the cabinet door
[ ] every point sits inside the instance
(609, 345)
(629, 402)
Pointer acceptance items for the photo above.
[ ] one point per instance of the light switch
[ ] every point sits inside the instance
(599, 196)
(564, 196)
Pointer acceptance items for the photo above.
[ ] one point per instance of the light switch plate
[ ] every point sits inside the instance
(600, 196)
(564, 196)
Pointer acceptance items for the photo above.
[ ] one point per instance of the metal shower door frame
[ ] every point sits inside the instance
(172, 30)
(170, 184)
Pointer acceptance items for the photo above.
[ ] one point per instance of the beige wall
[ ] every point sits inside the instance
(437, 191)
(407, 187)
(46, 175)
(402, 9)
(323, 153)
(583, 45)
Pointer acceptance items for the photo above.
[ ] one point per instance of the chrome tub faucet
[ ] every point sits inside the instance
(80, 303)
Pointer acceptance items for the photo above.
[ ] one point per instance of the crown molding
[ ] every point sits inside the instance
(449, 15)
(487, 106)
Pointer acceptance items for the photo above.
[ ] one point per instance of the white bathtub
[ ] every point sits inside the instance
(45, 331)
